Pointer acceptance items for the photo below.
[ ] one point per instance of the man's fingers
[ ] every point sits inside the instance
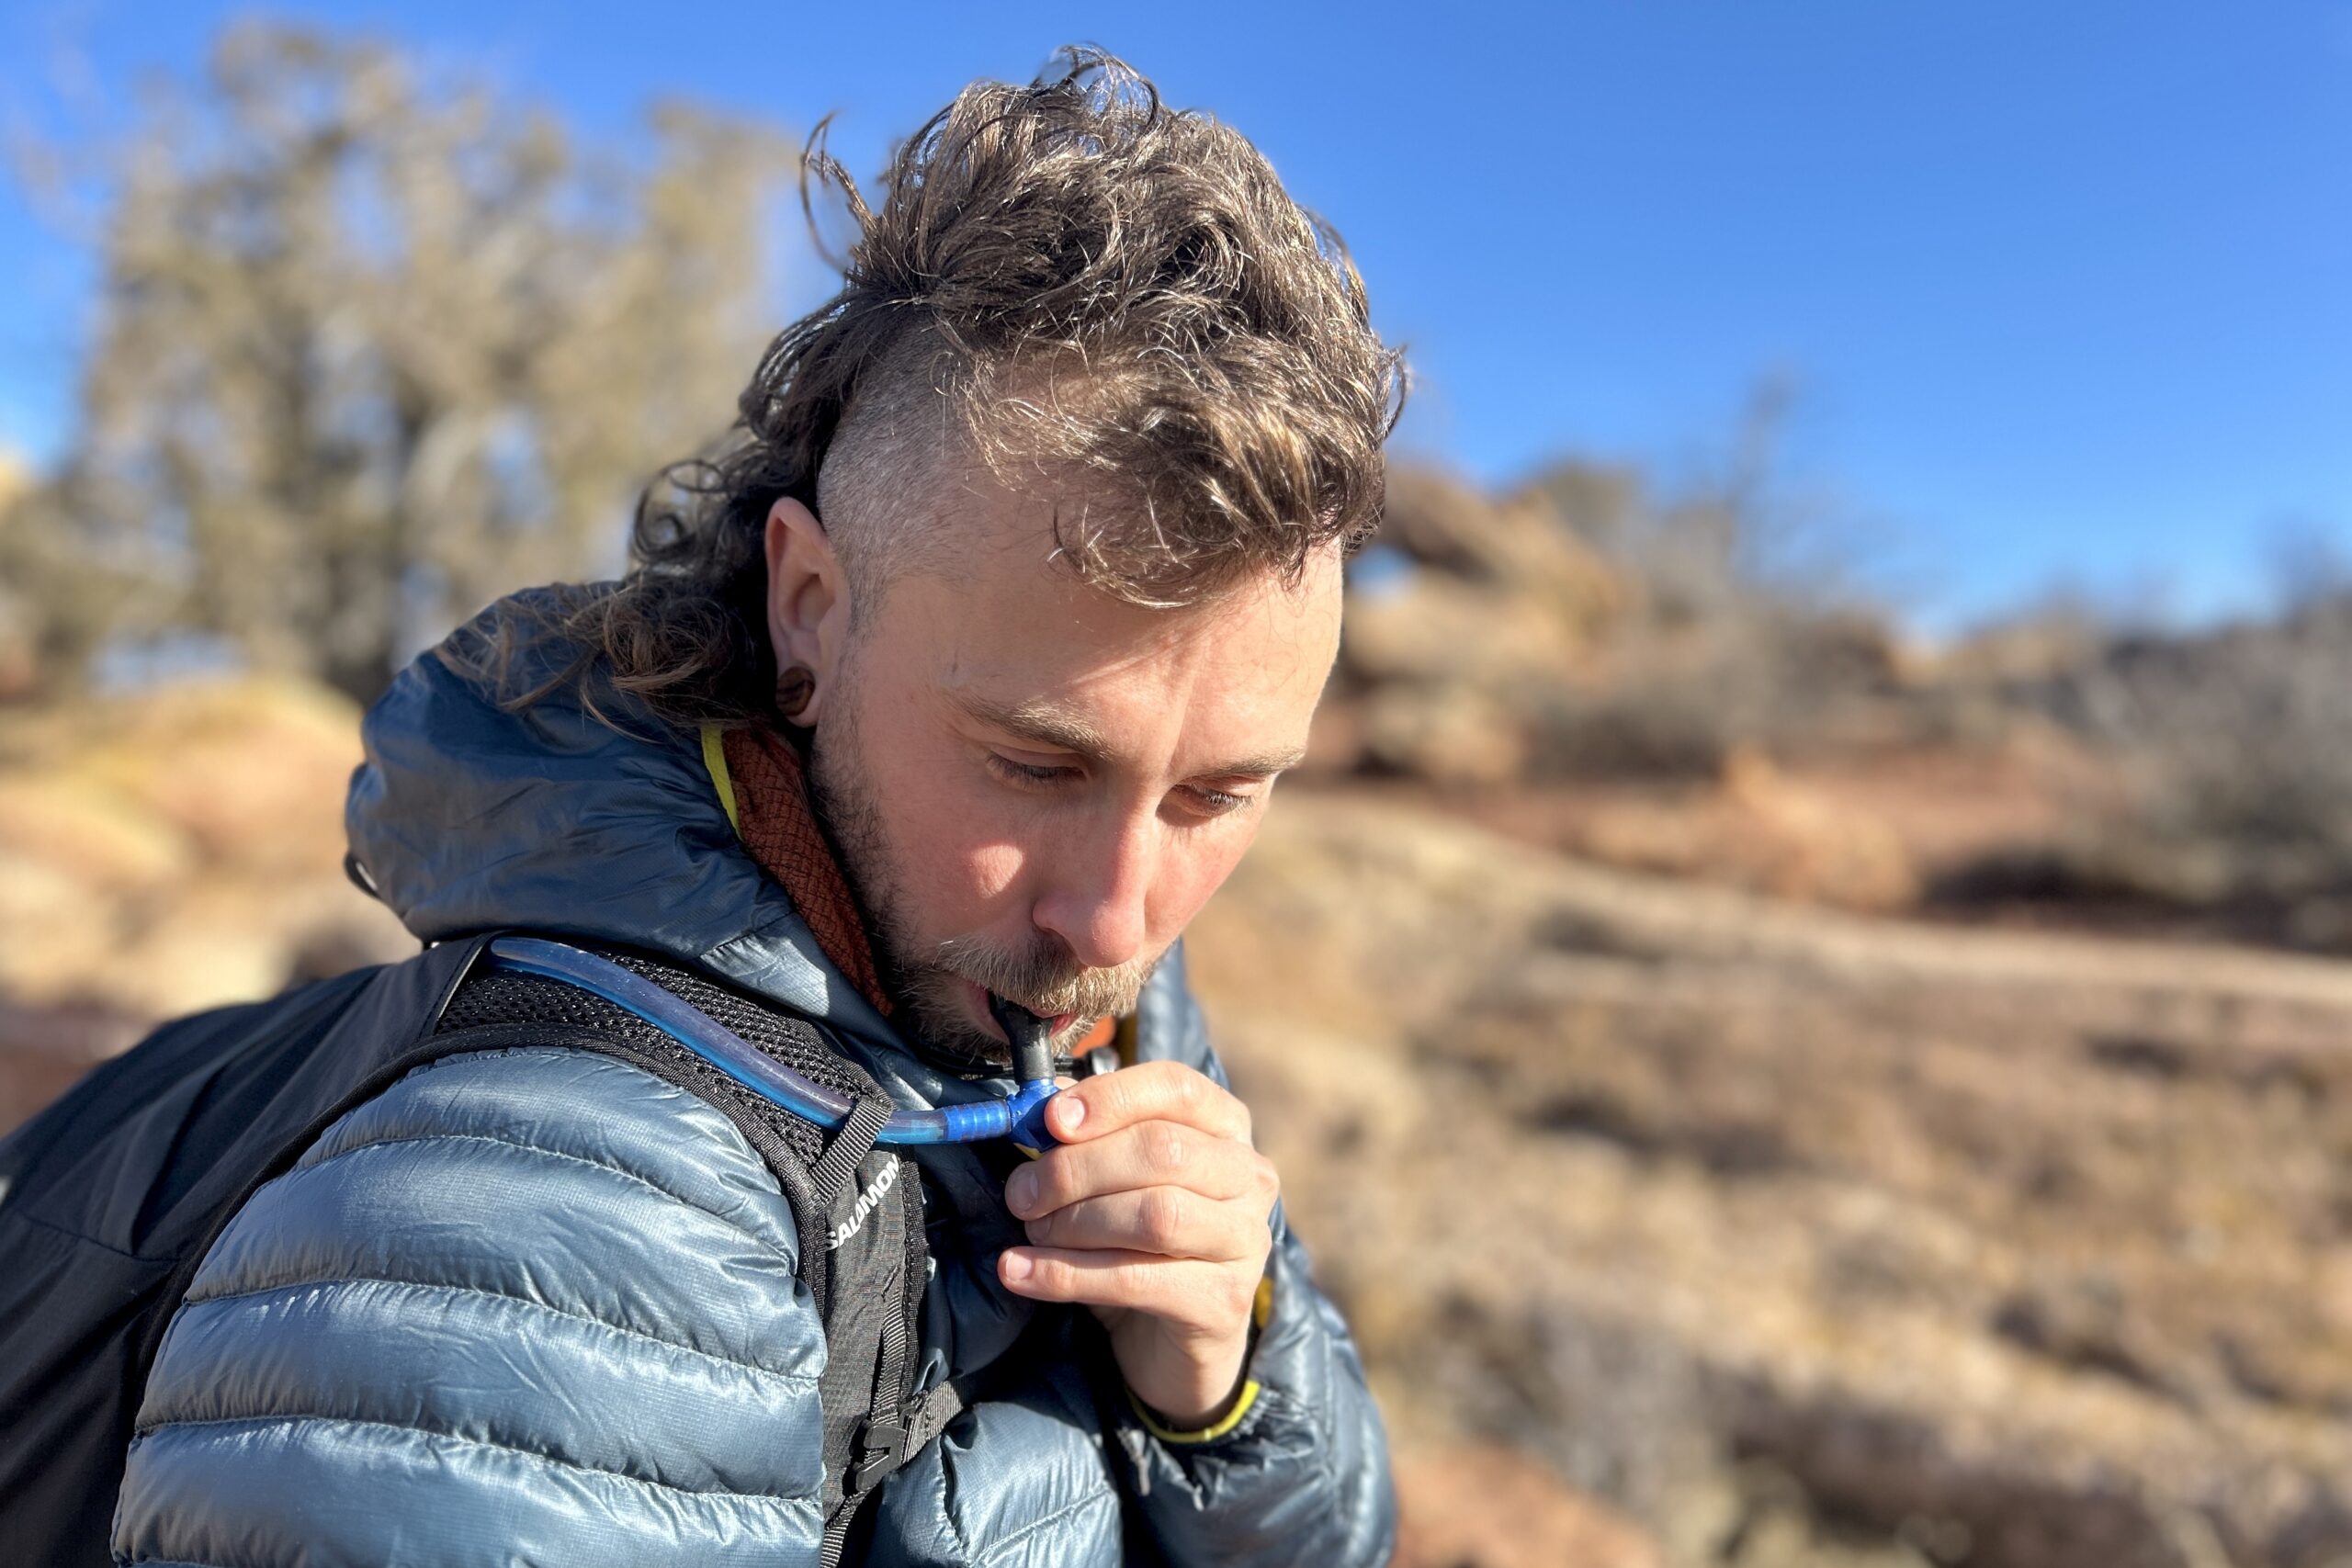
(1148, 1092)
(1152, 1154)
(1206, 1296)
(1167, 1222)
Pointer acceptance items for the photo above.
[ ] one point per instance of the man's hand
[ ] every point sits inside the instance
(1153, 1212)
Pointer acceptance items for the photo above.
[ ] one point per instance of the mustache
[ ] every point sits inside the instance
(1044, 979)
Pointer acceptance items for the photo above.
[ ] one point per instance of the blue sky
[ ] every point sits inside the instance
(2067, 289)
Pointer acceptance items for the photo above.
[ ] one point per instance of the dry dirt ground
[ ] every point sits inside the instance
(1800, 1236)
(1681, 1226)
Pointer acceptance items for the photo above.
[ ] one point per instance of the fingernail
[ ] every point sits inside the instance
(1021, 1190)
(1072, 1110)
(1017, 1266)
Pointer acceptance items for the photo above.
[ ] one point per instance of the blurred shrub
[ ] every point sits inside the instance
(1742, 626)
(1585, 626)
(1684, 703)
(372, 349)
(2246, 733)
(2237, 746)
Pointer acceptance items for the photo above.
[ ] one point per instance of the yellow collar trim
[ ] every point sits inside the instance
(714, 760)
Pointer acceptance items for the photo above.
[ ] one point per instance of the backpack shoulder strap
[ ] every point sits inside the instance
(858, 1206)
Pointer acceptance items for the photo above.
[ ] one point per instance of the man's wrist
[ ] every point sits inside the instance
(1200, 1420)
(1226, 1414)
(1184, 1386)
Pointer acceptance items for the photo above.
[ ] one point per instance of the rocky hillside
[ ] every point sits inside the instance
(163, 853)
(1802, 1238)
(1624, 676)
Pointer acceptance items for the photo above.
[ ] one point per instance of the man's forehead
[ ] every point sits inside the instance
(1015, 638)
(981, 518)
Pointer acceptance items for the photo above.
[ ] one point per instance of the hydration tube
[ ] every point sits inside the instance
(1019, 1116)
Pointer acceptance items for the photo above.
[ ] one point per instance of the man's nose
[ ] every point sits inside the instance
(1099, 900)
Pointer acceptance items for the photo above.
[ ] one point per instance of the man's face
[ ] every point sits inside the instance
(1036, 786)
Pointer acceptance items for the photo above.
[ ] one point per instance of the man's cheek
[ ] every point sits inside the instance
(927, 803)
(1188, 882)
(963, 852)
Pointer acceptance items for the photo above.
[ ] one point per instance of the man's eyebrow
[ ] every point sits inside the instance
(1048, 725)
(1040, 722)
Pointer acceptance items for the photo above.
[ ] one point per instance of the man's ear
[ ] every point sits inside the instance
(808, 598)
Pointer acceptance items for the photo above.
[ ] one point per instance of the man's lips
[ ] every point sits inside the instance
(977, 1002)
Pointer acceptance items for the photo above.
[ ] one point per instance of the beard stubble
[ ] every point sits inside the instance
(922, 976)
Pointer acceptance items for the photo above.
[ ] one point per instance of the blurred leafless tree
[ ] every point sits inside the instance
(372, 348)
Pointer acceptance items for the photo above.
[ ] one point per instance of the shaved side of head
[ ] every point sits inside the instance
(885, 489)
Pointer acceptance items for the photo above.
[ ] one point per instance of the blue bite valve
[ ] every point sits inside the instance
(1032, 1070)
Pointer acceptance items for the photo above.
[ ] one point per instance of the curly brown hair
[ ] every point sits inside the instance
(1080, 288)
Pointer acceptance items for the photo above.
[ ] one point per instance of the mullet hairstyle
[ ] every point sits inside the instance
(1085, 290)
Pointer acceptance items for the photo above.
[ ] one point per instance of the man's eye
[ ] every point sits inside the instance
(1026, 774)
(1218, 802)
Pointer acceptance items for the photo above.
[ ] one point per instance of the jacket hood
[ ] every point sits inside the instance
(468, 818)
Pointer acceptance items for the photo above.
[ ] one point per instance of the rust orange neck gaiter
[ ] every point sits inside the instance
(779, 827)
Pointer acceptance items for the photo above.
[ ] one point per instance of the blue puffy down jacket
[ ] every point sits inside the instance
(536, 1306)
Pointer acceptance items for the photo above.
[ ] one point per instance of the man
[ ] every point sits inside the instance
(965, 673)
